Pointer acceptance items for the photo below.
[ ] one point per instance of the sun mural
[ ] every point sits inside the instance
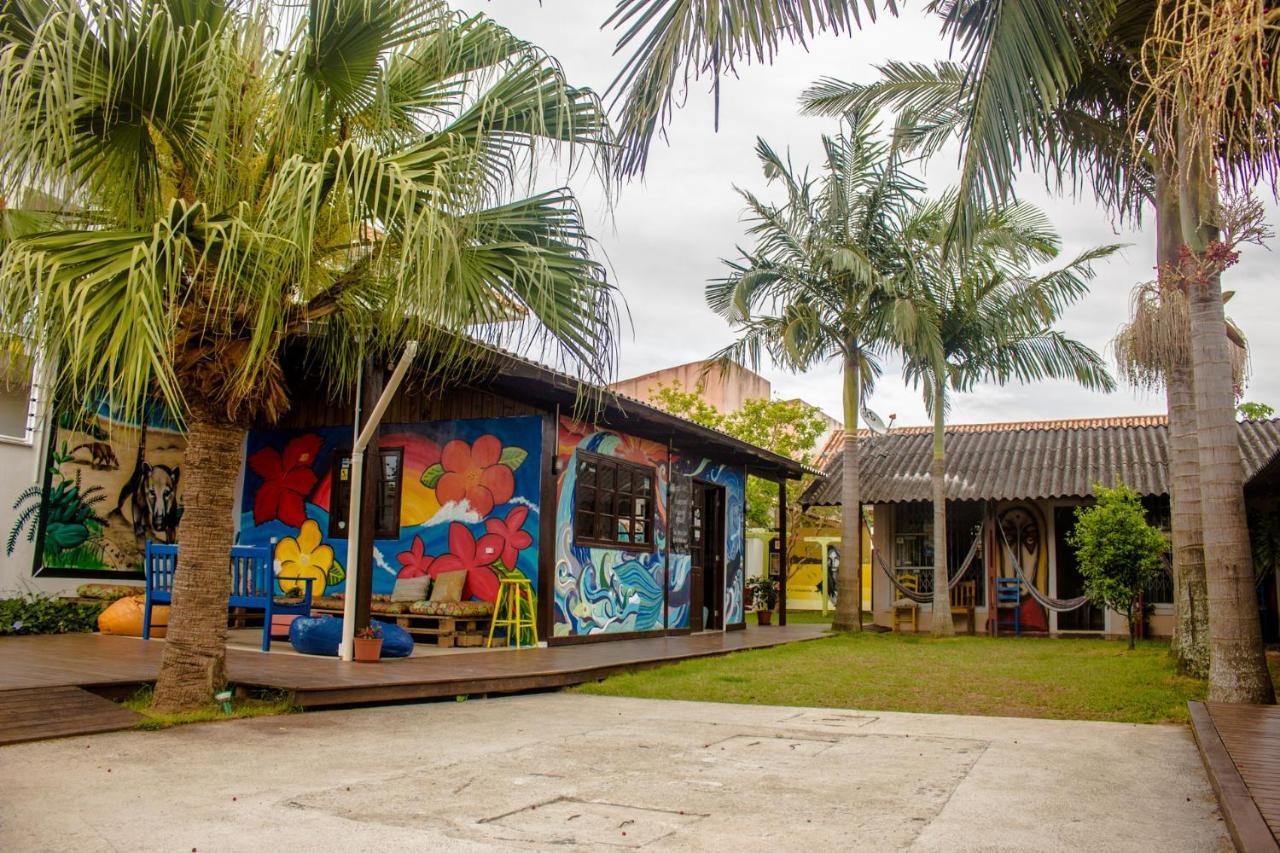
(468, 502)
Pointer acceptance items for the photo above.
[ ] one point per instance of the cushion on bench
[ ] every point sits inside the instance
(107, 591)
(452, 608)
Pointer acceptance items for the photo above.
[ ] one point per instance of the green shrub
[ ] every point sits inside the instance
(35, 613)
(1117, 551)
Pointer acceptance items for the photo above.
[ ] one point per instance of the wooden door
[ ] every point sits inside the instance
(713, 560)
(697, 554)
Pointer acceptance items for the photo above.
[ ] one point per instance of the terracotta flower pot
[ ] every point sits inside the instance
(764, 617)
(368, 651)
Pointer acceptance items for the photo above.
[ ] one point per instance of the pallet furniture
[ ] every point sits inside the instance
(253, 585)
(463, 624)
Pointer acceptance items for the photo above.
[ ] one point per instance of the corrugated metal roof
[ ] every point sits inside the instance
(1027, 460)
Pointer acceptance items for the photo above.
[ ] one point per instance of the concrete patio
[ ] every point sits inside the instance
(568, 771)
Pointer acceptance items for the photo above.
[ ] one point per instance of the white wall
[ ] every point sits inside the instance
(20, 468)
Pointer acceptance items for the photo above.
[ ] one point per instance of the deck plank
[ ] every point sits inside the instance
(97, 661)
(1240, 746)
(38, 713)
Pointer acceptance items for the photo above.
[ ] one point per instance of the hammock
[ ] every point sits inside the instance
(1057, 605)
(916, 595)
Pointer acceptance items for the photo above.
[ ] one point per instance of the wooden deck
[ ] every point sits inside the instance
(1240, 746)
(48, 712)
(105, 663)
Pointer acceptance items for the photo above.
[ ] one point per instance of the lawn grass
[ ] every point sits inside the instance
(1077, 679)
(266, 706)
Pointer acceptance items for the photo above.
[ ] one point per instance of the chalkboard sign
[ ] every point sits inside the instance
(681, 505)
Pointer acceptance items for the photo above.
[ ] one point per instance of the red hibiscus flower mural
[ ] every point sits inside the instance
(479, 473)
(514, 539)
(414, 563)
(287, 479)
(475, 557)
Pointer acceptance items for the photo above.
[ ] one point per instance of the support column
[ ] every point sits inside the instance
(371, 385)
(782, 552)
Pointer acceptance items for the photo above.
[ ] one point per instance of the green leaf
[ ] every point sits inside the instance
(336, 575)
(513, 457)
(432, 475)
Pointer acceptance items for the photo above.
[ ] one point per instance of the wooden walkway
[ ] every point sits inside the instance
(48, 712)
(1240, 746)
(107, 664)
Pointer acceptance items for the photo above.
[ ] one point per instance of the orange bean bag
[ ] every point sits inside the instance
(124, 618)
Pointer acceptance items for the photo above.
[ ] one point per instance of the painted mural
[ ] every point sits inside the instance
(112, 483)
(468, 502)
(607, 590)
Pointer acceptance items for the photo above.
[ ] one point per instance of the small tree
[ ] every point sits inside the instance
(1117, 551)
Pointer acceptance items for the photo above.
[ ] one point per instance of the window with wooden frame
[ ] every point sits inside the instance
(390, 462)
(614, 503)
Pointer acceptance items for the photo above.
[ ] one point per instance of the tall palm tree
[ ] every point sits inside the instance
(1079, 105)
(818, 286)
(239, 178)
(985, 317)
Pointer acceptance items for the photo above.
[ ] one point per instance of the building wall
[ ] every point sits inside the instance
(600, 591)
(469, 501)
(1160, 624)
(726, 392)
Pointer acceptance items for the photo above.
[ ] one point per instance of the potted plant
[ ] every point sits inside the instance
(369, 643)
(764, 597)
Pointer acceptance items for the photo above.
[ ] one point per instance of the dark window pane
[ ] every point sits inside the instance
(624, 479)
(586, 472)
(586, 524)
(625, 504)
(607, 480)
(587, 499)
(605, 502)
(604, 528)
(645, 486)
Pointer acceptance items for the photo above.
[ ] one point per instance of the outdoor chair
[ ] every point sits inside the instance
(964, 597)
(904, 609)
(1008, 598)
(253, 584)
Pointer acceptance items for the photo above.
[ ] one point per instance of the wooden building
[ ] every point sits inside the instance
(1012, 491)
(629, 521)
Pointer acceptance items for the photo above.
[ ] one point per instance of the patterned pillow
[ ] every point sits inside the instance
(452, 608)
(106, 591)
(389, 606)
(328, 602)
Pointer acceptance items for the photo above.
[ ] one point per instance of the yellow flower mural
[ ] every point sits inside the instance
(307, 557)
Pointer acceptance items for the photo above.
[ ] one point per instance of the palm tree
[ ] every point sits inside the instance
(237, 179)
(985, 317)
(818, 286)
(1074, 90)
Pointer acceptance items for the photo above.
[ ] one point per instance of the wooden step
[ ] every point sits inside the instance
(48, 712)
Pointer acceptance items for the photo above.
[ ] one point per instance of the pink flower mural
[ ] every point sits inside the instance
(475, 557)
(477, 473)
(414, 563)
(510, 530)
(287, 480)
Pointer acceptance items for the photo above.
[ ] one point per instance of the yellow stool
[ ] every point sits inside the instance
(514, 611)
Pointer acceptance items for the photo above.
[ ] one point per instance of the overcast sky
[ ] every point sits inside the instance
(666, 235)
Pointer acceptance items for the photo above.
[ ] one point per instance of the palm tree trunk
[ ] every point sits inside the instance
(194, 663)
(848, 615)
(1237, 662)
(943, 626)
(1191, 624)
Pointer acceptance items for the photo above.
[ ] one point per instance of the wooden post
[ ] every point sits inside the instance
(370, 391)
(547, 508)
(782, 551)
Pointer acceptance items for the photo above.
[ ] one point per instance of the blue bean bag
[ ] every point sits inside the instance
(321, 635)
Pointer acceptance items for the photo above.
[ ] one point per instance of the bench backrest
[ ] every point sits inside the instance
(964, 594)
(1008, 590)
(251, 574)
(159, 562)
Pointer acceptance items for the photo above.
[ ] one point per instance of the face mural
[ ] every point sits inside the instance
(452, 496)
(603, 589)
(112, 483)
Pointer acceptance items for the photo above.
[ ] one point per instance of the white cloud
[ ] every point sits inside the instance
(455, 511)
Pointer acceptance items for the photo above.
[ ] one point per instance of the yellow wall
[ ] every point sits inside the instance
(804, 579)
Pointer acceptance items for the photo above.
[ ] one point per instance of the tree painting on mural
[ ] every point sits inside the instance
(467, 495)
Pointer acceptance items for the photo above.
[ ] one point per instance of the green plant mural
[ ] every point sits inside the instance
(72, 526)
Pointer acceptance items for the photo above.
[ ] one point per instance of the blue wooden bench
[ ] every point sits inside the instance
(253, 585)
